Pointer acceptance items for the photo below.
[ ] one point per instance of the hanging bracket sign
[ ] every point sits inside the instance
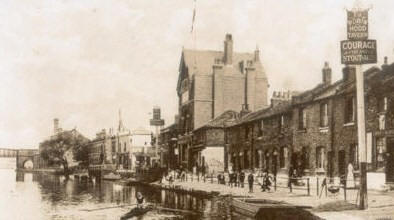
(355, 52)
(358, 49)
(357, 25)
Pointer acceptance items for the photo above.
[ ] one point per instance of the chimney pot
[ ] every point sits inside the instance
(228, 50)
(349, 73)
(56, 125)
(326, 73)
(257, 54)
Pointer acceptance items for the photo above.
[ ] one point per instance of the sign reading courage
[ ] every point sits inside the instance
(358, 52)
(358, 49)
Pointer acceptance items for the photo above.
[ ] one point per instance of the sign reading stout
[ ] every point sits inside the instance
(357, 25)
(358, 51)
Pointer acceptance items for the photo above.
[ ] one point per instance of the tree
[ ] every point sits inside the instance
(54, 149)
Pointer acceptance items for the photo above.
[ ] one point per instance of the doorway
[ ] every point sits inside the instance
(342, 163)
(390, 160)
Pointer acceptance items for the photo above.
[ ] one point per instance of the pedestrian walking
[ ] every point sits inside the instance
(290, 176)
(235, 179)
(241, 178)
(266, 182)
(250, 181)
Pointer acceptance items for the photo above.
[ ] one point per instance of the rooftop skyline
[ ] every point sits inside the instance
(81, 61)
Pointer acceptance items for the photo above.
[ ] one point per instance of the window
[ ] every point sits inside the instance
(261, 127)
(113, 146)
(353, 156)
(302, 118)
(382, 122)
(349, 109)
(380, 153)
(320, 157)
(382, 104)
(124, 147)
(283, 157)
(324, 115)
(281, 122)
(246, 132)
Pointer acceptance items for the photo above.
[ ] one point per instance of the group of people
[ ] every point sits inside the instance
(235, 179)
(264, 179)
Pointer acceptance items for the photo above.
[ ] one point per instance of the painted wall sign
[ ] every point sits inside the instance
(356, 52)
(357, 25)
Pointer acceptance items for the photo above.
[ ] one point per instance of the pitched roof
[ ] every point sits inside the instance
(322, 91)
(280, 108)
(225, 119)
(202, 61)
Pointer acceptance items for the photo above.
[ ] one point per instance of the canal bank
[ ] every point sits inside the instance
(332, 206)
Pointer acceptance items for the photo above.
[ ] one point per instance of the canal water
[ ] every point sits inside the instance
(46, 196)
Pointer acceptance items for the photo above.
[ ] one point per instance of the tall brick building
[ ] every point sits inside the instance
(212, 82)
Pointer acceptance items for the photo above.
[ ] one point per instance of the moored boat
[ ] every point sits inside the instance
(148, 175)
(251, 207)
(112, 176)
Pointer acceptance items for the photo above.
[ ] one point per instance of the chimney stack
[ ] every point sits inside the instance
(385, 64)
(55, 125)
(326, 74)
(349, 73)
(245, 110)
(228, 50)
(257, 54)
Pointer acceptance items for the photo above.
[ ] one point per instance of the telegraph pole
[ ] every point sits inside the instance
(358, 50)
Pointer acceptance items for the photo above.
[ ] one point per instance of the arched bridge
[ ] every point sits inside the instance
(26, 158)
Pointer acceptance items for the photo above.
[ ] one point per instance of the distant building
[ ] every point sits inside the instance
(111, 150)
(102, 151)
(142, 147)
(41, 163)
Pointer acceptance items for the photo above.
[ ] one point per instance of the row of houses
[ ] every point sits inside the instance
(313, 131)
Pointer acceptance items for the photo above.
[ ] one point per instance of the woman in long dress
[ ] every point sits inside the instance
(350, 176)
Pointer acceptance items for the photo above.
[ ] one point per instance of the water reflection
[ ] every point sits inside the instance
(57, 198)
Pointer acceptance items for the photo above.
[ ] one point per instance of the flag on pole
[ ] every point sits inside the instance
(194, 16)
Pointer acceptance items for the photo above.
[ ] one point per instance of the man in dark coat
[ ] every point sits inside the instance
(241, 178)
(251, 181)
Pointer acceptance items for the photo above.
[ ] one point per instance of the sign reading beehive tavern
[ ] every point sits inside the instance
(358, 49)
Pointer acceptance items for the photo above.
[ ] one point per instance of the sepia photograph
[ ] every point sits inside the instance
(197, 109)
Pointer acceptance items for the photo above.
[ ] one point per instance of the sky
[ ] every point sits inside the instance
(82, 61)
